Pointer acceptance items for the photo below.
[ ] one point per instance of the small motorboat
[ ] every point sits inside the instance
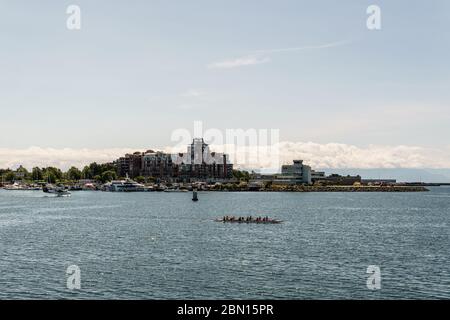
(176, 190)
(258, 220)
(57, 191)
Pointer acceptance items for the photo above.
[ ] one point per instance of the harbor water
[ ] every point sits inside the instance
(165, 246)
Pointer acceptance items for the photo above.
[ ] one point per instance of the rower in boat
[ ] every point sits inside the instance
(248, 219)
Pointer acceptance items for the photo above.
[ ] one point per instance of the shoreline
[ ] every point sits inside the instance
(335, 189)
(292, 189)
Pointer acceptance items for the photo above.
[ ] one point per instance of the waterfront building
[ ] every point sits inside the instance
(158, 165)
(136, 164)
(197, 164)
(338, 180)
(200, 164)
(123, 166)
(317, 175)
(130, 164)
(296, 173)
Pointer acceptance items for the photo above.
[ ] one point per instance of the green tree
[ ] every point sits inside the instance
(86, 173)
(52, 174)
(108, 167)
(108, 176)
(22, 173)
(95, 169)
(10, 176)
(140, 179)
(241, 175)
(36, 174)
(50, 177)
(74, 174)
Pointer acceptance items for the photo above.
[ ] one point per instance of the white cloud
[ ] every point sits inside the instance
(61, 158)
(329, 155)
(260, 56)
(239, 62)
(337, 155)
(316, 47)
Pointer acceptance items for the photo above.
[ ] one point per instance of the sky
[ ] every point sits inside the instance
(340, 95)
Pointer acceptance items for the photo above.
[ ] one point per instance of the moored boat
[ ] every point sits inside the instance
(126, 185)
(21, 187)
(258, 220)
(175, 190)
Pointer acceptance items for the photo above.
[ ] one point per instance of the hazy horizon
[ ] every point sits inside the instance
(66, 158)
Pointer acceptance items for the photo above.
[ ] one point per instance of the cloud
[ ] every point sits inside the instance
(260, 56)
(328, 155)
(61, 158)
(239, 62)
(316, 47)
(338, 155)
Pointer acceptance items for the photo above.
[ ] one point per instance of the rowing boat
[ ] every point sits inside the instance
(244, 220)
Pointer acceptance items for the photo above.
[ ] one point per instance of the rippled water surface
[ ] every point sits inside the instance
(162, 245)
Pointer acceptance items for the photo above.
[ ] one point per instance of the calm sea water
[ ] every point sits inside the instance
(162, 245)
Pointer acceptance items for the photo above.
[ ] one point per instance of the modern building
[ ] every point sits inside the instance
(299, 173)
(317, 175)
(338, 180)
(197, 164)
(296, 173)
(130, 164)
(158, 165)
(200, 164)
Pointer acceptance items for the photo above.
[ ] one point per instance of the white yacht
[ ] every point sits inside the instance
(14, 186)
(22, 187)
(126, 185)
